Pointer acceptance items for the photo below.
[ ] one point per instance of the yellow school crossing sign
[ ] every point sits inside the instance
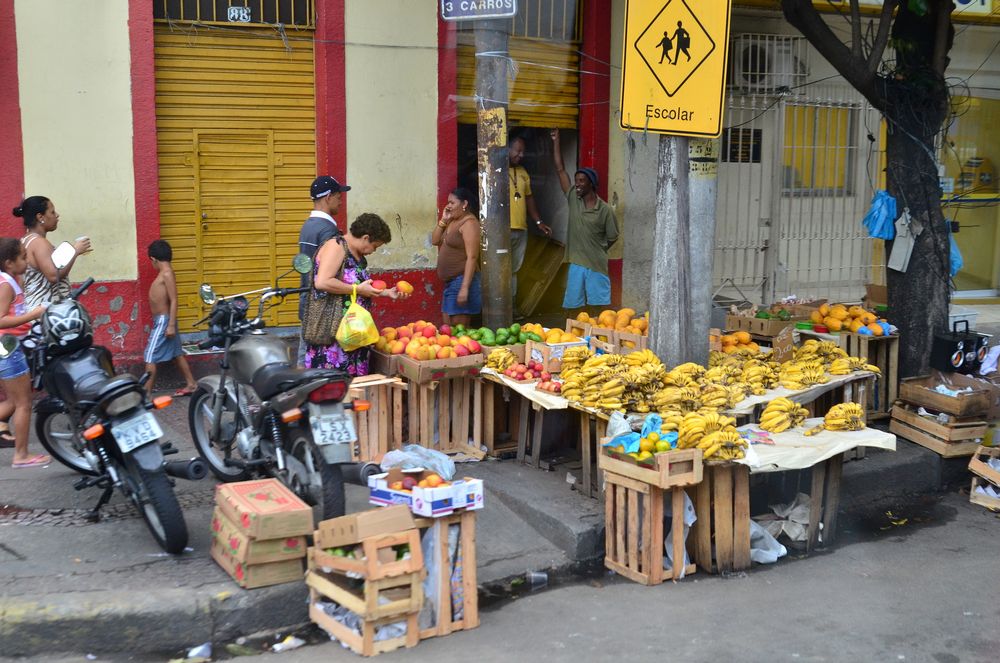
(674, 66)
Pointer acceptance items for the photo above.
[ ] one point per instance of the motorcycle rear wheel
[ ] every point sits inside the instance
(212, 452)
(57, 433)
(324, 490)
(154, 496)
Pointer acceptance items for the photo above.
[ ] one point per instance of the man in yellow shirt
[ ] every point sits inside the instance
(522, 205)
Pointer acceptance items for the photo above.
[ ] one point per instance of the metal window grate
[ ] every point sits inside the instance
(767, 64)
(554, 20)
(293, 13)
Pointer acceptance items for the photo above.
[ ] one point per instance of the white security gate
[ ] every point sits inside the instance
(796, 175)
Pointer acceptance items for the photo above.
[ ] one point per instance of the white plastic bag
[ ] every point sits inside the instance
(793, 519)
(668, 543)
(618, 425)
(764, 548)
(414, 455)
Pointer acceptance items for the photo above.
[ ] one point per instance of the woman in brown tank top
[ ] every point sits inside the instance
(457, 237)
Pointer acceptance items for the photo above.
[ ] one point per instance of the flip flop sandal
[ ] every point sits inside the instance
(35, 461)
(183, 392)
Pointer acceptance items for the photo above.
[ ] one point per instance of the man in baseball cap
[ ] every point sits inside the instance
(319, 227)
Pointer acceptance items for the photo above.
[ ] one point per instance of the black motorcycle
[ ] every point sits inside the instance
(100, 424)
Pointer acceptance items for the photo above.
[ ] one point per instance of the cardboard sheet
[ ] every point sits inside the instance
(792, 450)
(528, 390)
(803, 396)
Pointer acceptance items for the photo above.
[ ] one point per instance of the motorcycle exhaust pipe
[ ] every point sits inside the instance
(358, 473)
(192, 470)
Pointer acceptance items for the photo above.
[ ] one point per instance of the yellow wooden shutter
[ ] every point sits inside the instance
(544, 90)
(236, 135)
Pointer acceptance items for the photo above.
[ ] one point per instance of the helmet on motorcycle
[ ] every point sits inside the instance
(66, 327)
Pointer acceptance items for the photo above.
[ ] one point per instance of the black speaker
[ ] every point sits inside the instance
(960, 350)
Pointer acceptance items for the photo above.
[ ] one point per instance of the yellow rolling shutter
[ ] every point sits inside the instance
(236, 134)
(545, 90)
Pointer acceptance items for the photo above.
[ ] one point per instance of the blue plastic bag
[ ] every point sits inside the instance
(881, 217)
(651, 424)
(955, 255)
(628, 440)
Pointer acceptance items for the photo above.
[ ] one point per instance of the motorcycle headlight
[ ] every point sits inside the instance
(122, 403)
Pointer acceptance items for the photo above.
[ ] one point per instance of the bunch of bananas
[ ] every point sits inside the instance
(848, 365)
(615, 382)
(672, 421)
(825, 352)
(782, 414)
(500, 359)
(796, 375)
(714, 433)
(681, 399)
(842, 416)
(759, 376)
(574, 357)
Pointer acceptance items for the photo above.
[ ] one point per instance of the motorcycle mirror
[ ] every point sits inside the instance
(302, 263)
(207, 294)
(63, 254)
(8, 344)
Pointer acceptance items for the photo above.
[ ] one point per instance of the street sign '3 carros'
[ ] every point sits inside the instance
(674, 66)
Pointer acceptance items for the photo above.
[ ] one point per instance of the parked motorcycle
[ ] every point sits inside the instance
(100, 424)
(264, 416)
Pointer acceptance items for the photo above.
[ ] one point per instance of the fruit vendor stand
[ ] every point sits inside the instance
(532, 404)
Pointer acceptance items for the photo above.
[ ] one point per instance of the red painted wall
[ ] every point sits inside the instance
(331, 102)
(11, 151)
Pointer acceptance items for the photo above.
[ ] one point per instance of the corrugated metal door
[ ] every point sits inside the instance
(236, 131)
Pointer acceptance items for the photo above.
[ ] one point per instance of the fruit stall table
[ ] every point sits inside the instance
(851, 388)
(532, 405)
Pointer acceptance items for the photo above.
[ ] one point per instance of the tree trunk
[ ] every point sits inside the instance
(918, 298)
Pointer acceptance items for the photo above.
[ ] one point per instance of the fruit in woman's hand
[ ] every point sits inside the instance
(379, 284)
(404, 287)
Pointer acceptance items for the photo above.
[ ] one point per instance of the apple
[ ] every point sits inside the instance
(556, 387)
(404, 332)
(529, 375)
(396, 485)
(461, 350)
(443, 340)
(379, 285)
(445, 329)
(397, 348)
(474, 346)
(545, 375)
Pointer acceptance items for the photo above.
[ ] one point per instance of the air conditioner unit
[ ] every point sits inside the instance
(766, 63)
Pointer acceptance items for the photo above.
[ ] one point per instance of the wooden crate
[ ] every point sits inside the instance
(682, 467)
(365, 643)
(722, 505)
(374, 598)
(627, 342)
(920, 391)
(380, 429)
(445, 622)
(881, 351)
(375, 564)
(458, 422)
(991, 503)
(633, 539)
(581, 329)
(951, 440)
(978, 464)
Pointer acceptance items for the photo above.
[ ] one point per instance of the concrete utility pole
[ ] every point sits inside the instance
(703, 155)
(670, 292)
(494, 186)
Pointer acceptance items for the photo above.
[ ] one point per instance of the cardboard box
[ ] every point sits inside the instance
(254, 551)
(250, 576)
(876, 294)
(920, 391)
(352, 528)
(737, 322)
(430, 502)
(715, 340)
(803, 310)
(264, 509)
(549, 355)
(379, 362)
(771, 326)
(422, 372)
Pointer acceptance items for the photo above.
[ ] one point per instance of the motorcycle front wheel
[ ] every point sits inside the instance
(58, 434)
(213, 452)
(317, 483)
(154, 496)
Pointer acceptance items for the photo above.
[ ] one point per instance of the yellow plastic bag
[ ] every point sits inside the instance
(357, 329)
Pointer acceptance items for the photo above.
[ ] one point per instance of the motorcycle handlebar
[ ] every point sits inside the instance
(80, 289)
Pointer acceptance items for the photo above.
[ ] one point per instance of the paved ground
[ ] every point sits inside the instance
(921, 592)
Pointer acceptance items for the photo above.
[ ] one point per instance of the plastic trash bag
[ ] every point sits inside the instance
(651, 424)
(628, 440)
(668, 543)
(357, 329)
(432, 562)
(792, 520)
(414, 455)
(955, 255)
(881, 217)
(764, 548)
(617, 425)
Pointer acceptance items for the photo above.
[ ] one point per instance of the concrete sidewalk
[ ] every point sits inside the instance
(72, 586)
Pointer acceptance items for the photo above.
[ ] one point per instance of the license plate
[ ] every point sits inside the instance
(137, 431)
(335, 428)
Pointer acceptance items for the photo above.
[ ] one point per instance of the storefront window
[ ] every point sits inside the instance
(820, 150)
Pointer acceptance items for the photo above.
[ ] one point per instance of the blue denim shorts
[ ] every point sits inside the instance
(585, 287)
(13, 366)
(449, 300)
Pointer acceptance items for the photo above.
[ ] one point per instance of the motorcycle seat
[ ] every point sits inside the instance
(275, 378)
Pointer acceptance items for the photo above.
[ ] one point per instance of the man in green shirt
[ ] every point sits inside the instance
(590, 232)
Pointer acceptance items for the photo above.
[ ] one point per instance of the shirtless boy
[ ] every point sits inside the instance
(164, 344)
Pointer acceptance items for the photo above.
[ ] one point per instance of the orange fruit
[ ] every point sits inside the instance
(742, 337)
(434, 480)
(816, 317)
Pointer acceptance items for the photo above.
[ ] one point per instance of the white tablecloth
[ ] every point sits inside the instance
(747, 405)
(547, 400)
(792, 450)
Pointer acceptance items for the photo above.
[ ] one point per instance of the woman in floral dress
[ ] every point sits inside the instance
(339, 266)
